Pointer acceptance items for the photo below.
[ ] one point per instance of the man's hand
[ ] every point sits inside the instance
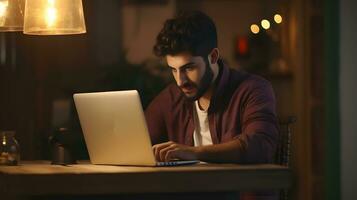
(170, 150)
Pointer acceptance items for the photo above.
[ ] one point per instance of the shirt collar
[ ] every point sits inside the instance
(221, 82)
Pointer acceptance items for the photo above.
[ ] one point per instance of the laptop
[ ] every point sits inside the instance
(115, 129)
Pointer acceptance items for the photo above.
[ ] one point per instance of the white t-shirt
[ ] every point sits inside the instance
(202, 134)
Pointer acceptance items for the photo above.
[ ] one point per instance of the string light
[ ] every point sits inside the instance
(265, 24)
(278, 19)
(254, 28)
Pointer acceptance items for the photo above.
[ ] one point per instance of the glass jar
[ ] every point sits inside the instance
(9, 148)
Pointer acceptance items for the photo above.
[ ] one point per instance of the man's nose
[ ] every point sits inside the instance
(181, 78)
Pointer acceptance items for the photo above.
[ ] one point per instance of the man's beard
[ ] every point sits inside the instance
(204, 84)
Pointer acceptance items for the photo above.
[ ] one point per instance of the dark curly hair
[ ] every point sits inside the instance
(190, 31)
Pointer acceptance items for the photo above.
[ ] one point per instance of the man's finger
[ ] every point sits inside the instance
(164, 151)
(171, 154)
(158, 147)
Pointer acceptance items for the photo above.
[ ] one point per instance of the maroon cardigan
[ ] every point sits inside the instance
(242, 108)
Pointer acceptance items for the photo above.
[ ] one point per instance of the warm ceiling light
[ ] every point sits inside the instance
(11, 15)
(54, 17)
(254, 28)
(277, 18)
(265, 24)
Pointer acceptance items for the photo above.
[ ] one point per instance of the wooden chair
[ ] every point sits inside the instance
(283, 152)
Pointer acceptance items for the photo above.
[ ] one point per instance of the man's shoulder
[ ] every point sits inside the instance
(257, 81)
(247, 85)
(250, 81)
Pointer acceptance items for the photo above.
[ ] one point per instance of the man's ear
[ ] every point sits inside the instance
(213, 56)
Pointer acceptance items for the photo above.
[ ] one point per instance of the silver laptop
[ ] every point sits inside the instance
(115, 129)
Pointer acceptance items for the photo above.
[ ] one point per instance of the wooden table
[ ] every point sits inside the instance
(40, 178)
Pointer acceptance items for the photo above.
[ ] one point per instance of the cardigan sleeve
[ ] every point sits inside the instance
(259, 123)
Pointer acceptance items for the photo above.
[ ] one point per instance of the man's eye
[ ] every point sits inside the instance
(189, 69)
(173, 70)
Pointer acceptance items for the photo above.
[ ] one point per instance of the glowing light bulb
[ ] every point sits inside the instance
(51, 13)
(254, 28)
(51, 2)
(3, 8)
(265, 24)
(278, 19)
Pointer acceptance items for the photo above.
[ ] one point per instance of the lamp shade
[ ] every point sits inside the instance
(54, 17)
(11, 15)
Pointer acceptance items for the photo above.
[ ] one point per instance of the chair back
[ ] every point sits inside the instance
(283, 152)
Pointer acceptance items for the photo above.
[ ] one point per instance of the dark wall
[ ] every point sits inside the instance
(37, 72)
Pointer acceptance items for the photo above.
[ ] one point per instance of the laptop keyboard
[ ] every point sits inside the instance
(176, 163)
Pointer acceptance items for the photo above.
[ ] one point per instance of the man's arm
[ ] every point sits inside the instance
(256, 143)
(259, 125)
(225, 152)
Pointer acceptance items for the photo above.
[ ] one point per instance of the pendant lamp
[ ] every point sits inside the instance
(11, 15)
(54, 17)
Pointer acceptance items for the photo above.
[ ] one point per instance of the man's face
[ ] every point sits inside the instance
(193, 74)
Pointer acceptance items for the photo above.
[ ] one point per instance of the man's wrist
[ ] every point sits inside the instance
(199, 151)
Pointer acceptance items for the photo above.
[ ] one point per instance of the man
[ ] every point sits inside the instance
(212, 113)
